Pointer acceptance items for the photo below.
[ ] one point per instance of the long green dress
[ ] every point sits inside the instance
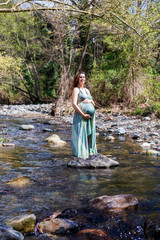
(83, 131)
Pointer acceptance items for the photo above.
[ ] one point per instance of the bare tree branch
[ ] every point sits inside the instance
(39, 7)
(5, 3)
(85, 47)
(121, 20)
(74, 3)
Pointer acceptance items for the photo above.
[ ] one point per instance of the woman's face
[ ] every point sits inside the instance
(82, 79)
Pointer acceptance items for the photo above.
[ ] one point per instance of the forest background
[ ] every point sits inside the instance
(116, 43)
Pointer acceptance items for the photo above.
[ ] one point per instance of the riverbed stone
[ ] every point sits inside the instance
(147, 119)
(153, 152)
(12, 145)
(26, 127)
(94, 161)
(57, 225)
(114, 203)
(121, 131)
(55, 139)
(24, 223)
(19, 182)
(110, 130)
(94, 234)
(47, 130)
(110, 138)
(146, 145)
(135, 136)
(153, 134)
(46, 236)
(8, 233)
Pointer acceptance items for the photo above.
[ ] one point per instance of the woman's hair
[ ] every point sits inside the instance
(75, 81)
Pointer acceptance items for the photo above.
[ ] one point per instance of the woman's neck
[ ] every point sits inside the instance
(81, 86)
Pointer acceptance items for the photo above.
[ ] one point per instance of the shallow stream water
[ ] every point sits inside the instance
(51, 185)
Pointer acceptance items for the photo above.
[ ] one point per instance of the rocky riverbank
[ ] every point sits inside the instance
(144, 130)
(23, 110)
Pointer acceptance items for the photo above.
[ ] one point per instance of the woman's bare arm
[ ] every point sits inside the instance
(75, 105)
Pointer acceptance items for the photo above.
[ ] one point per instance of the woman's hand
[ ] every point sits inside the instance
(87, 100)
(87, 116)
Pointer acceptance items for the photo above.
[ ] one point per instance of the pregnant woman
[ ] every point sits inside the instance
(83, 129)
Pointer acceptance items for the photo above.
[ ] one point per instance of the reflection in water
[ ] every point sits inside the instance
(52, 185)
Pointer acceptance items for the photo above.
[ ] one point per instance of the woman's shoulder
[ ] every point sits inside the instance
(76, 90)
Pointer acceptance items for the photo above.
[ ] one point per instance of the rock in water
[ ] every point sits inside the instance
(26, 127)
(94, 161)
(55, 139)
(57, 225)
(24, 223)
(114, 203)
(94, 234)
(8, 233)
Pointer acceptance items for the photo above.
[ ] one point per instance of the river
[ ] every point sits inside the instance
(49, 185)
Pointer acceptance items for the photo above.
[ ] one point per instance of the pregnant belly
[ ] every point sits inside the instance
(87, 108)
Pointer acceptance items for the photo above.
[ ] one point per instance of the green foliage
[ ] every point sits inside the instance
(9, 67)
(145, 111)
(50, 72)
(121, 61)
(108, 78)
(24, 37)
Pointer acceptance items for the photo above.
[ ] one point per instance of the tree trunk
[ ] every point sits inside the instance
(85, 48)
(65, 83)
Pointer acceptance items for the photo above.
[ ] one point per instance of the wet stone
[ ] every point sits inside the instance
(8, 233)
(94, 234)
(121, 131)
(23, 224)
(153, 134)
(19, 182)
(57, 225)
(46, 236)
(47, 130)
(110, 138)
(111, 130)
(26, 127)
(55, 139)
(146, 146)
(114, 203)
(94, 161)
(135, 136)
(153, 152)
(8, 145)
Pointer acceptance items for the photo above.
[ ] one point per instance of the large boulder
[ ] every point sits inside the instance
(57, 225)
(55, 139)
(94, 161)
(114, 203)
(24, 223)
(8, 233)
